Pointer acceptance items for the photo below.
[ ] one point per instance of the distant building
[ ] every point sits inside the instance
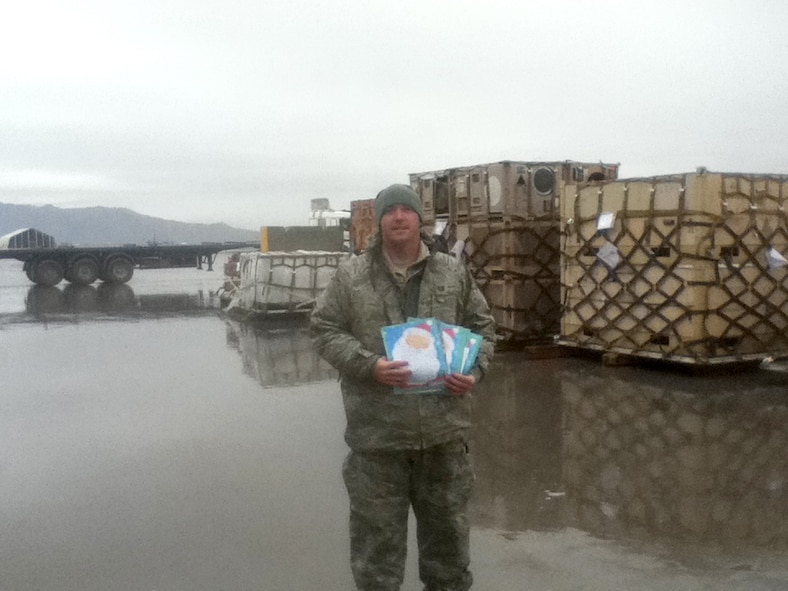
(27, 238)
(323, 216)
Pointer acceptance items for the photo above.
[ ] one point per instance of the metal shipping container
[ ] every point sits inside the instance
(516, 189)
(362, 224)
(504, 218)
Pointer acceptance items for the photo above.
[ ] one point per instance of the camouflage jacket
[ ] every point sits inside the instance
(360, 299)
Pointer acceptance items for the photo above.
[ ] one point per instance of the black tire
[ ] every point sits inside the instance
(44, 299)
(118, 270)
(80, 298)
(83, 271)
(116, 298)
(48, 272)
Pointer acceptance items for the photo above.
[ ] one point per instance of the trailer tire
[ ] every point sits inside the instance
(118, 269)
(83, 271)
(48, 272)
(80, 298)
(114, 297)
(44, 299)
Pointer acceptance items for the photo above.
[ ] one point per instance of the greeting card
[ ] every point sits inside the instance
(432, 349)
(418, 342)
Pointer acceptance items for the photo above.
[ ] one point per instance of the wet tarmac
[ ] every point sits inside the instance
(152, 444)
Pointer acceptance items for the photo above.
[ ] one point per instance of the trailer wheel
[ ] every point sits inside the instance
(47, 272)
(115, 298)
(44, 299)
(83, 271)
(118, 269)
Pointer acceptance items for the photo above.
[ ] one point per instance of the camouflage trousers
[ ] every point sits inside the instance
(382, 486)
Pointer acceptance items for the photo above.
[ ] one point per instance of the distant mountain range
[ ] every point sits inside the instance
(111, 225)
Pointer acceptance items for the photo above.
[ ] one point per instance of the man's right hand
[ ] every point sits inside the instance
(391, 373)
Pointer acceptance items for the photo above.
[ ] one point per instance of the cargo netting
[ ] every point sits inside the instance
(515, 263)
(285, 281)
(684, 267)
(689, 464)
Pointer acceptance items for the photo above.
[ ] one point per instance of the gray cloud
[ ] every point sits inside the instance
(242, 112)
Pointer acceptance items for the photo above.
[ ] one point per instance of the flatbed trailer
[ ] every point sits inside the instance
(83, 265)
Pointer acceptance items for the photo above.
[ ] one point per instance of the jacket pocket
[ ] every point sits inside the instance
(444, 301)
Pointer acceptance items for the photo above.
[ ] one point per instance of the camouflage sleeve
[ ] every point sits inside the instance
(476, 316)
(330, 325)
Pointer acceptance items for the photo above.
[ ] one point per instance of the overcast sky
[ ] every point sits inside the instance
(243, 111)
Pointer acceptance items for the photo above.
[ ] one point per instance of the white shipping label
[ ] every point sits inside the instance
(775, 259)
(606, 220)
(609, 255)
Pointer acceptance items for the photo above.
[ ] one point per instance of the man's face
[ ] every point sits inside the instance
(399, 226)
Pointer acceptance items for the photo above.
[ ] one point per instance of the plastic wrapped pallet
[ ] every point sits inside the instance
(683, 267)
(284, 281)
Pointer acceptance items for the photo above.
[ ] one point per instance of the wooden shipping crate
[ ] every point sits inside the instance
(525, 309)
(528, 249)
(515, 263)
(693, 213)
(681, 267)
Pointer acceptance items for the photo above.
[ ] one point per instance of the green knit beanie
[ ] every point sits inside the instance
(397, 195)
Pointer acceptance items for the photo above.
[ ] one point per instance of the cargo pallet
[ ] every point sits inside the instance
(281, 284)
(688, 268)
(504, 218)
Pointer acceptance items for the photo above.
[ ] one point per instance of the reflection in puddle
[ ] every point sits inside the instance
(633, 454)
(689, 460)
(517, 447)
(108, 298)
(278, 356)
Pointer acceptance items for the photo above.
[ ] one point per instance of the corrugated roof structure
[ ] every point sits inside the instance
(26, 238)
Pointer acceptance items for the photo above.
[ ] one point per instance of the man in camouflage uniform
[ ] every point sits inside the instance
(405, 449)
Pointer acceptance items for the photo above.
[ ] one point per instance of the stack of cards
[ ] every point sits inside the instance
(432, 349)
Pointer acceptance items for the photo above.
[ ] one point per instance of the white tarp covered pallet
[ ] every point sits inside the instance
(284, 281)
